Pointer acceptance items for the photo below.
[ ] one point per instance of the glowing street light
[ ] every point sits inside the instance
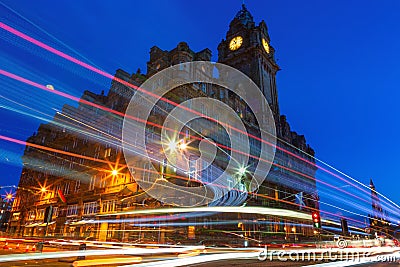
(175, 145)
(182, 145)
(172, 145)
(43, 189)
(114, 172)
(242, 170)
(9, 196)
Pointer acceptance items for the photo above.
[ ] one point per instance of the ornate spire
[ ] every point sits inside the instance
(244, 16)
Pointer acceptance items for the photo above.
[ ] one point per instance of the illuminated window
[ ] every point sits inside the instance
(92, 182)
(66, 188)
(90, 207)
(55, 212)
(58, 187)
(103, 181)
(72, 210)
(77, 185)
(16, 202)
(107, 152)
(31, 215)
(40, 214)
(108, 206)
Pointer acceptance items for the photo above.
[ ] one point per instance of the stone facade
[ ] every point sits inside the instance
(78, 155)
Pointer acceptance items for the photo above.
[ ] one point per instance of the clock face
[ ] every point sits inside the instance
(265, 45)
(235, 43)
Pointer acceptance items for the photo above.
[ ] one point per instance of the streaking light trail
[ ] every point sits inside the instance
(215, 209)
(132, 86)
(16, 77)
(107, 75)
(124, 251)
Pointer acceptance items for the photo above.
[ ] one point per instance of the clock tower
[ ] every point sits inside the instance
(247, 48)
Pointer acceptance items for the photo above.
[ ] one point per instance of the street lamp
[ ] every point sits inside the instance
(182, 145)
(172, 145)
(43, 190)
(242, 170)
(9, 196)
(114, 172)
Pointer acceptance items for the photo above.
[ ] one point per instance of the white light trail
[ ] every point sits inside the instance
(199, 259)
(124, 251)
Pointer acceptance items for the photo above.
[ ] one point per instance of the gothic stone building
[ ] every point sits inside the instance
(75, 163)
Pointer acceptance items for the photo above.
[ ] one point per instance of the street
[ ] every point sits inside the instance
(17, 254)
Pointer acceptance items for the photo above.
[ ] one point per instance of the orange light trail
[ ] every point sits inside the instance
(151, 171)
(49, 149)
(19, 78)
(105, 74)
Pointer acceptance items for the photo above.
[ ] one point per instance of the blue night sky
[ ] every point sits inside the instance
(338, 84)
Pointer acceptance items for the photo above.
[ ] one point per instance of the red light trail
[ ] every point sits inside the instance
(175, 176)
(172, 175)
(24, 80)
(107, 75)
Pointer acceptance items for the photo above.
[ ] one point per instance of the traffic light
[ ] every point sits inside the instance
(316, 219)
